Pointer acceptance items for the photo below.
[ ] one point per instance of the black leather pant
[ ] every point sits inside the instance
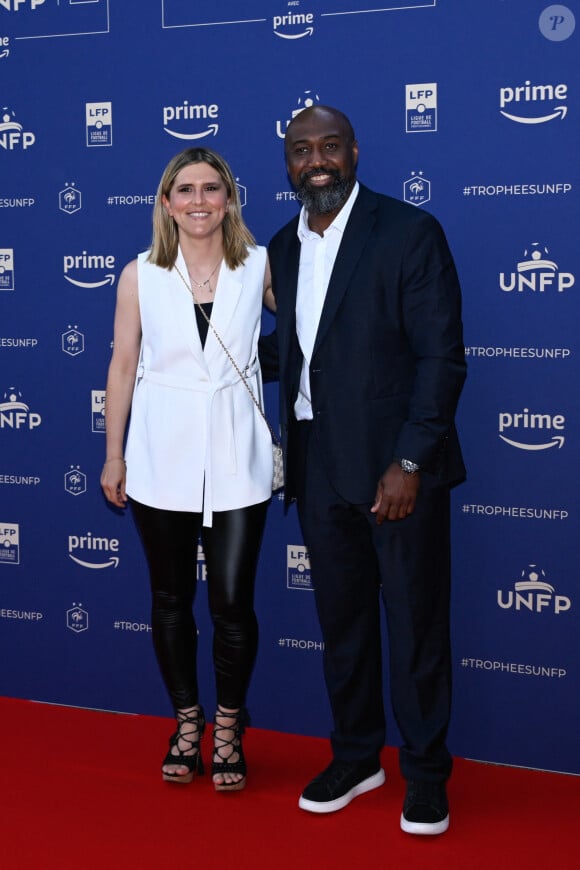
(231, 548)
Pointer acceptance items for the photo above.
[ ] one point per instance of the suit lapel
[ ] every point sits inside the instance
(227, 295)
(182, 303)
(357, 231)
(286, 287)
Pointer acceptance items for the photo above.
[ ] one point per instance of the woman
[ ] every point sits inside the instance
(199, 456)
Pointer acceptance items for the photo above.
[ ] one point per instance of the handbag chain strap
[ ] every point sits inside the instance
(275, 438)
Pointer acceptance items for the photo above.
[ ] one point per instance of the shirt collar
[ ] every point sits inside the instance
(339, 223)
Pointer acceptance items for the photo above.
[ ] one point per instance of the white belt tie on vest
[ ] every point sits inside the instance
(210, 389)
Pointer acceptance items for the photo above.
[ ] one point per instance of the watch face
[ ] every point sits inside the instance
(408, 466)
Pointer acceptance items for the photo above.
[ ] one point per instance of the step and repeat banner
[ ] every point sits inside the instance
(467, 109)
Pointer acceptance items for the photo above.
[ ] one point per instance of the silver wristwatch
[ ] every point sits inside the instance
(408, 466)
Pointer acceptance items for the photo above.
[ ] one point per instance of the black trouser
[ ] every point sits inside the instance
(355, 563)
(231, 548)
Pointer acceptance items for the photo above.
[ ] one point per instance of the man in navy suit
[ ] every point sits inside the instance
(369, 353)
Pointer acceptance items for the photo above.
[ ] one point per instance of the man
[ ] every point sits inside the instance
(369, 353)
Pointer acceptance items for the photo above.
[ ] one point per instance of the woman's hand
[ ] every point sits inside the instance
(113, 481)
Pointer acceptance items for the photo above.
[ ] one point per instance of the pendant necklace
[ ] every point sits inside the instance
(202, 284)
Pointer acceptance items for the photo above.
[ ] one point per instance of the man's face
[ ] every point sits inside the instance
(321, 157)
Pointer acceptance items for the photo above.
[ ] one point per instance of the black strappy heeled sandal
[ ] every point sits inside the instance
(226, 748)
(193, 761)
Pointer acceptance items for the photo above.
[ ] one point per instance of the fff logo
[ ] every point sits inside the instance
(77, 619)
(75, 481)
(70, 199)
(72, 341)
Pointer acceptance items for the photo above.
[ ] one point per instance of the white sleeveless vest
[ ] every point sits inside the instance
(196, 440)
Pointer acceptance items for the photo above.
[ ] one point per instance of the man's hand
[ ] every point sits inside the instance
(396, 494)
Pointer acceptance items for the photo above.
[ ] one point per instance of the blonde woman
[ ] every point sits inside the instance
(198, 459)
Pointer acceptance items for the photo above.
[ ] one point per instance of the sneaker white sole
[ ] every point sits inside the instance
(424, 828)
(374, 781)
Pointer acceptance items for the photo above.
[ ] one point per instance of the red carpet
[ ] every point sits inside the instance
(82, 789)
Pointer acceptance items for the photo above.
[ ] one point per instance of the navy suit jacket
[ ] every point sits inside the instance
(388, 363)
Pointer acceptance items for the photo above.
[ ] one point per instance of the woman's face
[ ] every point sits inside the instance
(198, 201)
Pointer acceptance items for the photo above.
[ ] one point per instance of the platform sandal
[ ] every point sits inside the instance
(193, 761)
(229, 750)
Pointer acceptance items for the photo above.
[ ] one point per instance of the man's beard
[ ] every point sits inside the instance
(323, 200)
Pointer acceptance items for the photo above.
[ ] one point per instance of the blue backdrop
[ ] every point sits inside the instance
(469, 110)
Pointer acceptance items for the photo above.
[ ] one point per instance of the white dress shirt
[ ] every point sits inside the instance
(317, 257)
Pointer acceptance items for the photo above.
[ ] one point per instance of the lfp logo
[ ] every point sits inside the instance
(99, 124)
(537, 272)
(298, 563)
(98, 410)
(13, 137)
(201, 566)
(9, 543)
(6, 269)
(421, 108)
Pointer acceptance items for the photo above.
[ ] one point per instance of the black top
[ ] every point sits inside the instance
(202, 324)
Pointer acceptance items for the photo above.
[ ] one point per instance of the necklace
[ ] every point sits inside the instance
(202, 284)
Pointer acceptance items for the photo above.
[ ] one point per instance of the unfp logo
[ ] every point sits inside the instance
(99, 124)
(14, 5)
(204, 116)
(89, 263)
(305, 101)
(421, 108)
(9, 543)
(536, 272)
(523, 103)
(533, 593)
(13, 137)
(298, 567)
(293, 25)
(6, 269)
(15, 414)
(532, 431)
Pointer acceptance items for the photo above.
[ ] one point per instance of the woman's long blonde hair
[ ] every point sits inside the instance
(236, 236)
